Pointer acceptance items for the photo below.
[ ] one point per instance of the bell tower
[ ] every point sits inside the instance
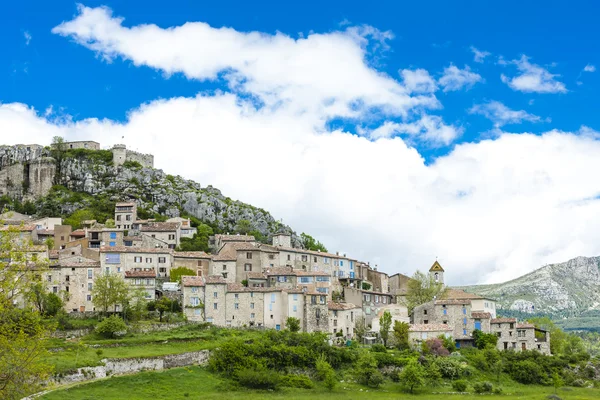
(436, 272)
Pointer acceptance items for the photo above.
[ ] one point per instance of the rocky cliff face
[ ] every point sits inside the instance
(93, 173)
(567, 288)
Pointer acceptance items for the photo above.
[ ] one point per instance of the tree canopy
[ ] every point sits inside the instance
(421, 289)
(310, 243)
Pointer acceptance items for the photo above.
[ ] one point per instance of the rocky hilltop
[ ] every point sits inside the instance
(62, 182)
(565, 289)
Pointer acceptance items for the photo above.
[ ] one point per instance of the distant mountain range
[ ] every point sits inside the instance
(567, 289)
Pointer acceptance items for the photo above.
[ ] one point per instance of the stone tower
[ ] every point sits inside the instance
(436, 272)
(119, 154)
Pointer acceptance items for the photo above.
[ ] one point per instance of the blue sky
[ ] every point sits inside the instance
(421, 133)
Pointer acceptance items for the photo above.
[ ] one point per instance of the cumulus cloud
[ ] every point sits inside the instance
(479, 55)
(589, 68)
(27, 37)
(430, 129)
(418, 81)
(501, 115)
(455, 78)
(533, 78)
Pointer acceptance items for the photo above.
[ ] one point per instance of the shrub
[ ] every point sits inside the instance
(297, 381)
(325, 372)
(378, 348)
(111, 327)
(412, 376)
(483, 387)
(293, 324)
(258, 378)
(450, 368)
(460, 385)
(527, 372)
(483, 340)
(366, 371)
(436, 347)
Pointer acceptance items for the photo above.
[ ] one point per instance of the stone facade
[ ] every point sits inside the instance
(82, 144)
(518, 337)
(342, 318)
(121, 155)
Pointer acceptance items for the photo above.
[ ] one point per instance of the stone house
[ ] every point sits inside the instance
(342, 318)
(316, 312)
(142, 278)
(287, 278)
(398, 312)
(144, 241)
(165, 231)
(370, 301)
(197, 261)
(216, 242)
(72, 278)
(186, 230)
(518, 337)
(125, 215)
(399, 287)
(102, 236)
(121, 259)
(215, 301)
(81, 144)
(193, 288)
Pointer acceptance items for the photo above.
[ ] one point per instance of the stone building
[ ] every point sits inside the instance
(102, 236)
(197, 261)
(186, 230)
(122, 155)
(342, 318)
(72, 277)
(81, 144)
(125, 215)
(398, 312)
(143, 278)
(370, 301)
(121, 259)
(519, 336)
(399, 287)
(167, 232)
(216, 242)
(419, 333)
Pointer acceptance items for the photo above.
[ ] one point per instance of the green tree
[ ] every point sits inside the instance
(200, 240)
(111, 327)
(366, 286)
(76, 219)
(177, 273)
(163, 305)
(385, 323)
(558, 336)
(366, 370)
(310, 243)
(52, 304)
(243, 227)
(58, 152)
(483, 340)
(557, 381)
(360, 328)
(325, 372)
(135, 306)
(109, 290)
(22, 349)
(401, 334)
(412, 376)
(421, 289)
(293, 324)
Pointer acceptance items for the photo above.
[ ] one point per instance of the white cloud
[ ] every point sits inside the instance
(501, 115)
(589, 68)
(323, 74)
(490, 210)
(456, 79)
(429, 129)
(533, 78)
(27, 36)
(479, 55)
(418, 81)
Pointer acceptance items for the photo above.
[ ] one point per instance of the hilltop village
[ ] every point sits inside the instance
(244, 283)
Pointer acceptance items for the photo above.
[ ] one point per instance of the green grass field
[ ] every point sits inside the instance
(197, 383)
(66, 355)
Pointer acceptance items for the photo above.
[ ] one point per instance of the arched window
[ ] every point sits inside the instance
(436, 277)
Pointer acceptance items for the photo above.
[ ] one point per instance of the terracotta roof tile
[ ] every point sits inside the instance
(503, 320)
(160, 227)
(53, 254)
(191, 254)
(215, 279)
(78, 233)
(255, 275)
(128, 249)
(340, 306)
(241, 238)
(525, 326)
(481, 315)
(125, 204)
(458, 294)
(453, 302)
(140, 274)
(192, 281)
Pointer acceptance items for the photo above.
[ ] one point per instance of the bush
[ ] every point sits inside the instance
(527, 372)
(375, 379)
(259, 378)
(366, 371)
(297, 381)
(111, 327)
(325, 373)
(378, 348)
(450, 368)
(412, 376)
(460, 386)
(483, 387)
(436, 347)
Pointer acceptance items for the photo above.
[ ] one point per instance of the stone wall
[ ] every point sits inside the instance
(133, 365)
(121, 155)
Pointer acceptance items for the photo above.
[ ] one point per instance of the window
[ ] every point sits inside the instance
(289, 257)
(425, 321)
(282, 279)
(295, 308)
(341, 263)
(194, 290)
(270, 306)
(304, 257)
(113, 258)
(464, 310)
(194, 301)
(224, 267)
(295, 297)
(107, 270)
(162, 260)
(272, 297)
(464, 321)
(128, 218)
(214, 306)
(325, 260)
(313, 299)
(305, 279)
(90, 272)
(118, 269)
(318, 313)
(112, 244)
(249, 255)
(148, 260)
(248, 267)
(464, 331)
(271, 256)
(236, 306)
(444, 322)
(424, 312)
(323, 290)
(113, 235)
(322, 278)
(90, 285)
(521, 333)
(89, 297)
(315, 259)
(252, 316)
(376, 298)
(225, 275)
(215, 295)
(118, 217)
(137, 259)
(323, 299)
(445, 312)
(252, 306)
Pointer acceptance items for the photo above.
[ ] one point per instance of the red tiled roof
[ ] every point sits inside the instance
(215, 279)
(255, 275)
(191, 254)
(192, 281)
(140, 274)
(525, 326)
(78, 233)
(125, 204)
(503, 320)
(429, 327)
(453, 302)
(481, 315)
(160, 227)
(458, 294)
(340, 306)
(53, 254)
(230, 238)
(44, 232)
(128, 249)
